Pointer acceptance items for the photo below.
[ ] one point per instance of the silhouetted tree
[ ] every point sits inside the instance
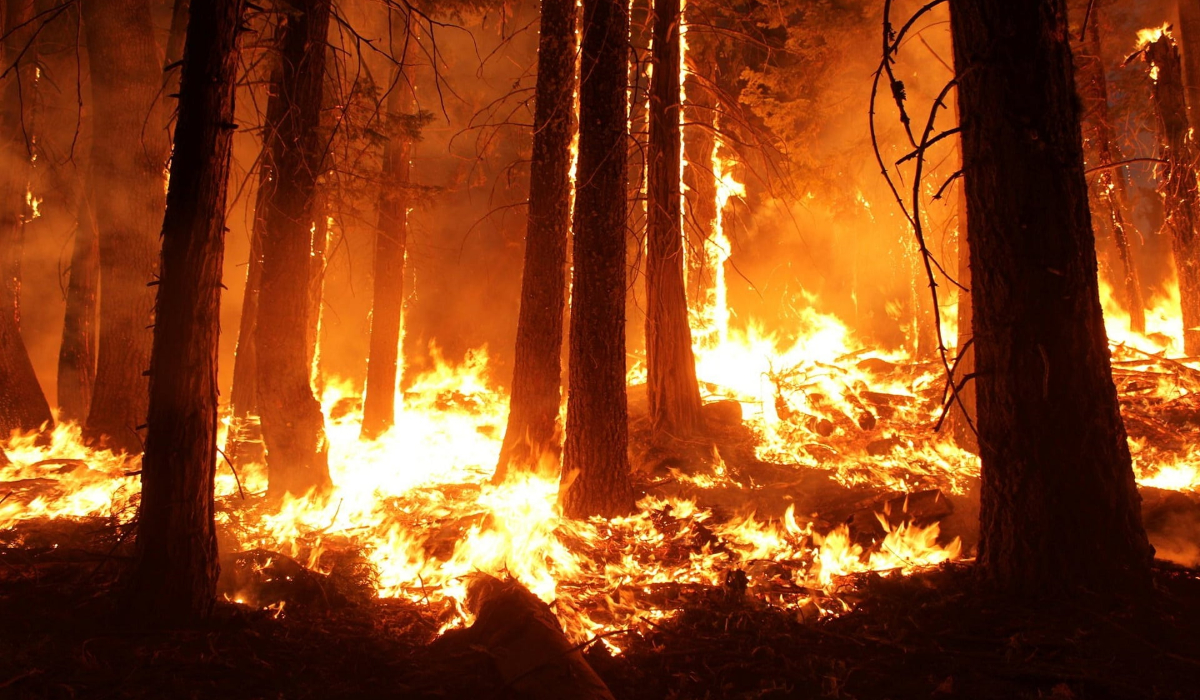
(671, 367)
(595, 460)
(125, 189)
(292, 423)
(1060, 508)
(533, 434)
(175, 574)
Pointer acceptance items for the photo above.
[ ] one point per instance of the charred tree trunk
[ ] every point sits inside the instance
(1099, 142)
(671, 367)
(1060, 509)
(174, 578)
(129, 153)
(1178, 180)
(391, 238)
(533, 435)
(292, 424)
(22, 404)
(595, 460)
(1189, 36)
(77, 353)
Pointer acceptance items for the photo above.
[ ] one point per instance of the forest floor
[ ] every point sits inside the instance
(64, 634)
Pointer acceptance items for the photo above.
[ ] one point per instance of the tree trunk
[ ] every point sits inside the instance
(1059, 506)
(533, 435)
(129, 153)
(317, 262)
(174, 577)
(699, 180)
(962, 417)
(77, 353)
(1178, 180)
(671, 367)
(1099, 143)
(16, 142)
(293, 427)
(387, 309)
(1189, 36)
(595, 460)
(244, 443)
(22, 404)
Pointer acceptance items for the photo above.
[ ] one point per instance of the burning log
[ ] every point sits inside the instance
(524, 639)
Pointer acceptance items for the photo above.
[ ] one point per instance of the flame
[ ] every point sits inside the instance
(1150, 35)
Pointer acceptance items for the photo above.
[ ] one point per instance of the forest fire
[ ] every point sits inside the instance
(599, 348)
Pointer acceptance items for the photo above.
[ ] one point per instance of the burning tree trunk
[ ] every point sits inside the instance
(126, 191)
(175, 575)
(595, 461)
(1059, 507)
(1178, 179)
(533, 432)
(671, 367)
(962, 408)
(293, 427)
(1108, 187)
(391, 237)
(1189, 36)
(22, 404)
(318, 246)
(77, 353)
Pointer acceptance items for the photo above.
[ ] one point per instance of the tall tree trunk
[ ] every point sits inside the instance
(174, 577)
(129, 154)
(1178, 181)
(23, 406)
(244, 443)
(77, 353)
(317, 262)
(1189, 36)
(16, 142)
(595, 460)
(1099, 143)
(391, 237)
(671, 367)
(533, 435)
(1060, 509)
(293, 427)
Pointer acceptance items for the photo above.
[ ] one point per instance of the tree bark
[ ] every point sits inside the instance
(23, 406)
(77, 353)
(962, 417)
(1189, 36)
(1178, 180)
(391, 237)
(533, 436)
(1059, 506)
(317, 262)
(292, 423)
(174, 577)
(595, 460)
(671, 367)
(129, 152)
(1099, 142)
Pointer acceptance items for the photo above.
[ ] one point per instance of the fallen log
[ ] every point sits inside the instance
(522, 636)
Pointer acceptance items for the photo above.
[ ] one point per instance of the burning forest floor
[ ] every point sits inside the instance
(934, 634)
(815, 544)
